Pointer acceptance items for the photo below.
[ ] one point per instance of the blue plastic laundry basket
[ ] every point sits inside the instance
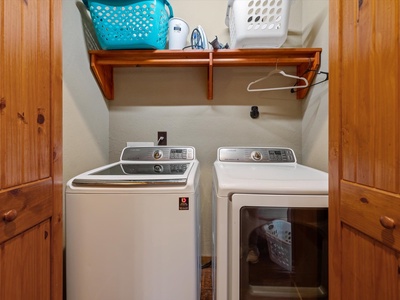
(130, 24)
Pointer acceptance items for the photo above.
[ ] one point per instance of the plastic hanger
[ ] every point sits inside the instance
(280, 72)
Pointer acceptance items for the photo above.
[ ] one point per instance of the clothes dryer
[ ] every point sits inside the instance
(270, 226)
(133, 228)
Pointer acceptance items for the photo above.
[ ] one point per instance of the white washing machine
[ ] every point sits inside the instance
(270, 226)
(133, 228)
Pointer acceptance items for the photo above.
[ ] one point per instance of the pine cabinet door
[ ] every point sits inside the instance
(364, 149)
(30, 150)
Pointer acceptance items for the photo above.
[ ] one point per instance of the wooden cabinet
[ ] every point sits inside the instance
(30, 150)
(364, 155)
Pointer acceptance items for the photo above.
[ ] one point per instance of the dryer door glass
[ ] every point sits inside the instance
(281, 252)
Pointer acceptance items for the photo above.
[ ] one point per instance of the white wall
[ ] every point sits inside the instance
(85, 112)
(148, 100)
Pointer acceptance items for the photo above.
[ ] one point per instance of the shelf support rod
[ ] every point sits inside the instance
(210, 79)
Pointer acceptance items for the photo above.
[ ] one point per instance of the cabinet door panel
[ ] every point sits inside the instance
(371, 127)
(371, 271)
(347, 84)
(25, 265)
(25, 92)
(368, 210)
(31, 205)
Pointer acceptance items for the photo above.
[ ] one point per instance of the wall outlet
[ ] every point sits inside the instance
(162, 138)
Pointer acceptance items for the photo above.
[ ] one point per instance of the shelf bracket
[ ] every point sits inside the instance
(104, 75)
(302, 69)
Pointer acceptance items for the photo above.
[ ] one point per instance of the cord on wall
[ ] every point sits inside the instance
(162, 138)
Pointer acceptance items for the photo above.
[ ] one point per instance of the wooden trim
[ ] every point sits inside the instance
(335, 246)
(56, 106)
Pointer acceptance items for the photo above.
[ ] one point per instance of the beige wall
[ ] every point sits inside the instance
(148, 100)
(315, 108)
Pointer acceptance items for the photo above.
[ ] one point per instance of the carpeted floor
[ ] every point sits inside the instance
(206, 282)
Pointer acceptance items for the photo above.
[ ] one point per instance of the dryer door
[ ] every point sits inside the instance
(278, 247)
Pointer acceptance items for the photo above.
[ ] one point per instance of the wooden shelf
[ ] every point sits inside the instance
(103, 62)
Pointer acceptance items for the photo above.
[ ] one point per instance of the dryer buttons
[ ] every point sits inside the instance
(256, 155)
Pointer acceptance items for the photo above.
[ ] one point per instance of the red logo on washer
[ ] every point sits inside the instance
(183, 203)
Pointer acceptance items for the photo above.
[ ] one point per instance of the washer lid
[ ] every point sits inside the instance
(136, 174)
(144, 169)
(259, 178)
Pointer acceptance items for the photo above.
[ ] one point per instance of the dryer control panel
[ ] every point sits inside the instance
(158, 153)
(257, 154)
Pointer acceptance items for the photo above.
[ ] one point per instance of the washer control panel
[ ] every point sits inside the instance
(158, 153)
(259, 154)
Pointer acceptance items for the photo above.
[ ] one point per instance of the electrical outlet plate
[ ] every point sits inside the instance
(162, 138)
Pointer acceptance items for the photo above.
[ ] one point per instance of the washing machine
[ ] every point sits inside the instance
(133, 227)
(270, 226)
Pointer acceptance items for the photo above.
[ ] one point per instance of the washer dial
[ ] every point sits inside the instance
(158, 168)
(256, 155)
(157, 154)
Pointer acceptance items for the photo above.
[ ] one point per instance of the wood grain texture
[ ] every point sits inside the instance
(364, 164)
(56, 153)
(335, 146)
(31, 185)
(25, 265)
(371, 271)
(25, 126)
(362, 208)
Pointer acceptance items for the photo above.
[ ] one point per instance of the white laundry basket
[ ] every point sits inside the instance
(279, 237)
(257, 23)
